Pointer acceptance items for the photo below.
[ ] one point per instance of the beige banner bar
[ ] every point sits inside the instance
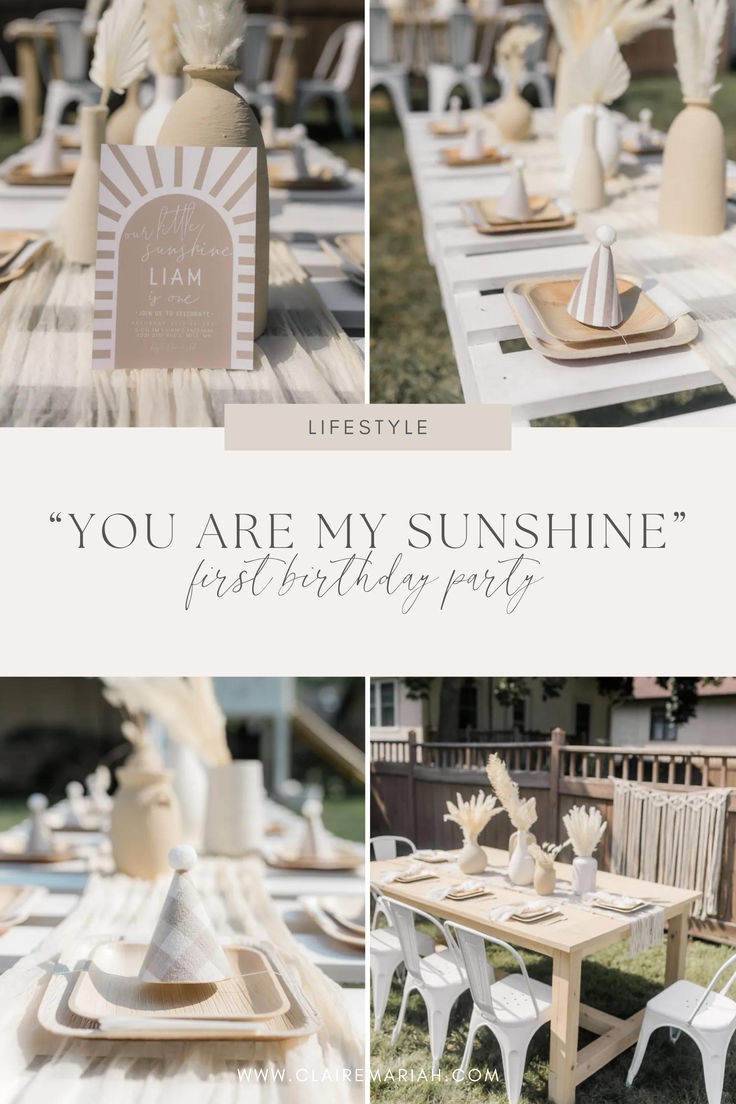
(358, 428)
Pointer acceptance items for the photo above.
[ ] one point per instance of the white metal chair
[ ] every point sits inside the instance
(461, 70)
(11, 87)
(385, 848)
(384, 71)
(333, 76)
(386, 957)
(438, 978)
(512, 1009)
(708, 1017)
(253, 61)
(74, 85)
(536, 70)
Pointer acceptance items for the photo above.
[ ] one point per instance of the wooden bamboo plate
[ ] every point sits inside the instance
(348, 911)
(431, 857)
(642, 151)
(549, 298)
(55, 1015)
(36, 856)
(446, 130)
(329, 926)
(111, 987)
(533, 917)
(409, 879)
(610, 907)
(25, 259)
(323, 181)
(16, 902)
(469, 894)
(21, 174)
(353, 247)
(343, 860)
(546, 215)
(681, 332)
(491, 156)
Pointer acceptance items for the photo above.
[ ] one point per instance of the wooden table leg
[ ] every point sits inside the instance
(676, 946)
(565, 1025)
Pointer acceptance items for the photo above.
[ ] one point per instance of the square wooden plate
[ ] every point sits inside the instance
(532, 917)
(491, 156)
(546, 215)
(21, 174)
(320, 181)
(36, 856)
(55, 1015)
(620, 908)
(343, 860)
(643, 151)
(408, 879)
(447, 130)
(329, 925)
(430, 857)
(111, 987)
(468, 894)
(17, 262)
(347, 910)
(15, 903)
(550, 296)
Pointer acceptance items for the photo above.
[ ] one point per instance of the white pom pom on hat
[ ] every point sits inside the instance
(37, 801)
(182, 858)
(606, 235)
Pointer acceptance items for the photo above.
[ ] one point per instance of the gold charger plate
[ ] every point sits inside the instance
(55, 1015)
(111, 987)
(546, 215)
(550, 296)
(491, 156)
(21, 174)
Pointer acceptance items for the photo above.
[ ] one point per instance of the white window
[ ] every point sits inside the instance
(384, 710)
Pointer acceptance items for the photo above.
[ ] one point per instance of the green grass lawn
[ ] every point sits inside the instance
(411, 353)
(11, 812)
(345, 816)
(611, 981)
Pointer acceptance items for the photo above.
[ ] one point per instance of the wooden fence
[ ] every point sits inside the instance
(411, 782)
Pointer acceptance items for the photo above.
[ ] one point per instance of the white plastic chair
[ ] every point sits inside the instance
(334, 75)
(438, 978)
(11, 87)
(74, 85)
(384, 72)
(536, 70)
(461, 70)
(512, 1009)
(253, 60)
(709, 1018)
(385, 848)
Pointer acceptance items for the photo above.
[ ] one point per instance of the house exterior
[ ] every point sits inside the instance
(642, 720)
(393, 714)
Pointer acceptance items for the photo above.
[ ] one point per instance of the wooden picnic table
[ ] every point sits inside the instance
(472, 269)
(567, 943)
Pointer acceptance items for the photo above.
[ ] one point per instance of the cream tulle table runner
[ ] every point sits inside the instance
(47, 379)
(39, 1067)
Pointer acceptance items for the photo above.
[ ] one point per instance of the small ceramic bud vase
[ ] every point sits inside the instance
(472, 859)
(521, 866)
(211, 113)
(584, 872)
(513, 115)
(123, 122)
(79, 217)
(692, 196)
(587, 190)
(545, 879)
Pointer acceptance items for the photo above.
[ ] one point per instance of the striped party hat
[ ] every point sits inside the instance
(595, 301)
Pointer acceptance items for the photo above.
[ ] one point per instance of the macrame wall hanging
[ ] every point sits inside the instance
(675, 839)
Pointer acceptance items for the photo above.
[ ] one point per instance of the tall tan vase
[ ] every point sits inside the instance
(693, 194)
(145, 823)
(211, 113)
(122, 123)
(513, 116)
(587, 186)
(79, 217)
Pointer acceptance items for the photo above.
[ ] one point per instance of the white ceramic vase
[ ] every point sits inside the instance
(514, 839)
(145, 823)
(692, 198)
(191, 784)
(79, 217)
(211, 113)
(167, 91)
(472, 859)
(607, 138)
(235, 822)
(122, 123)
(521, 864)
(584, 871)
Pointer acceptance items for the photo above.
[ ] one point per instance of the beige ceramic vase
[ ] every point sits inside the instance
(545, 879)
(692, 197)
(513, 116)
(145, 824)
(472, 859)
(587, 187)
(79, 217)
(211, 113)
(122, 123)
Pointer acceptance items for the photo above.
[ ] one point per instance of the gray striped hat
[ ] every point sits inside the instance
(595, 301)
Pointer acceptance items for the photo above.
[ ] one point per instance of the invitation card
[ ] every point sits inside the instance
(175, 269)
